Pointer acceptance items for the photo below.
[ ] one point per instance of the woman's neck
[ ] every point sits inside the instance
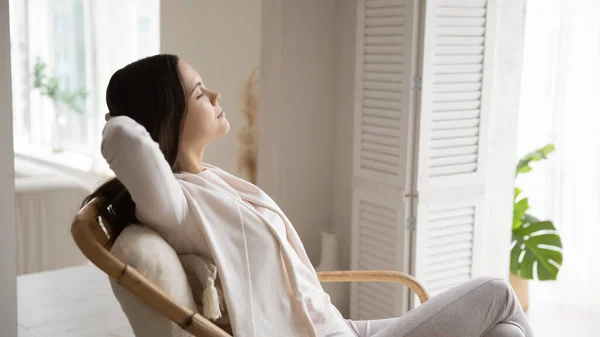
(190, 161)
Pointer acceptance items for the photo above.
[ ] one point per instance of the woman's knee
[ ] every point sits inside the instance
(500, 289)
(505, 330)
(492, 283)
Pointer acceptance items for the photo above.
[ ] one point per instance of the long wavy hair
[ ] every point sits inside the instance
(149, 91)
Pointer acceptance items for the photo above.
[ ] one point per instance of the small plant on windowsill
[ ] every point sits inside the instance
(536, 248)
(62, 99)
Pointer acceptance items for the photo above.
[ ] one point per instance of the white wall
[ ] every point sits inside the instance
(8, 271)
(297, 112)
(344, 124)
(221, 40)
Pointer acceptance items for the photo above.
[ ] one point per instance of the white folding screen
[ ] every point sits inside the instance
(383, 114)
(457, 75)
(423, 74)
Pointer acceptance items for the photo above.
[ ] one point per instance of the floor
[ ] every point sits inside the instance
(78, 302)
(558, 311)
(71, 302)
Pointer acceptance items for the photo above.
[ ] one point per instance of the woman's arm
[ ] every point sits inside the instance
(140, 165)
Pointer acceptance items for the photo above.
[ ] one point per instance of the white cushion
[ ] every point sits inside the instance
(152, 257)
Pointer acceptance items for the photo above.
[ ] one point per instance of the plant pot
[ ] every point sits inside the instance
(329, 262)
(521, 287)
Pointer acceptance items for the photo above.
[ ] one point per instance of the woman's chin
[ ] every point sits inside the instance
(225, 127)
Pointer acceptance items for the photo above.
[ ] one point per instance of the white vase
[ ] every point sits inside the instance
(338, 292)
(59, 123)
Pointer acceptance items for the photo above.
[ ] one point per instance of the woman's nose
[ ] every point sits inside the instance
(216, 97)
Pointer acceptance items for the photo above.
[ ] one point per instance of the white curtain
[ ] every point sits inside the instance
(560, 104)
(120, 38)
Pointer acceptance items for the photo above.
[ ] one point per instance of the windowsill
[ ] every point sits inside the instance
(66, 159)
(69, 162)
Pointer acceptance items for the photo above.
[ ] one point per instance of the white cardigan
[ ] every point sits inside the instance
(262, 264)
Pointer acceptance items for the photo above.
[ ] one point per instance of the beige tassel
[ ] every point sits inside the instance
(210, 300)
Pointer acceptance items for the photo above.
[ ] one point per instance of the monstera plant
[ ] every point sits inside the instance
(536, 248)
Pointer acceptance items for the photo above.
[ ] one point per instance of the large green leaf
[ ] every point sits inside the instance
(519, 210)
(542, 153)
(536, 241)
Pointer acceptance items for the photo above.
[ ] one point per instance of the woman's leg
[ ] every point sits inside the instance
(483, 307)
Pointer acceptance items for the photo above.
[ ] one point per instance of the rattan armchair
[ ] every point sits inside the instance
(95, 236)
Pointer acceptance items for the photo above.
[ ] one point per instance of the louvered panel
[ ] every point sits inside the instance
(384, 86)
(376, 235)
(380, 148)
(384, 68)
(373, 253)
(452, 102)
(455, 87)
(455, 115)
(463, 4)
(382, 77)
(451, 255)
(439, 286)
(455, 133)
(461, 12)
(381, 104)
(456, 124)
(457, 78)
(388, 5)
(384, 81)
(447, 243)
(379, 250)
(444, 144)
(380, 288)
(384, 40)
(378, 230)
(452, 21)
(385, 12)
(460, 40)
(380, 157)
(380, 130)
(379, 121)
(373, 310)
(383, 95)
(457, 59)
(443, 50)
(389, 21)
(458, 68)
(437, 153)
(370, 138)
(449, 248)
(383, 107)
(373, 292)
(374, 300)
(385, 49)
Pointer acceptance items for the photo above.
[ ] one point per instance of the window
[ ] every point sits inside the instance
(82, 43)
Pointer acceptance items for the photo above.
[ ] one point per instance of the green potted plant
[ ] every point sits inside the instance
(536, 248)
(62, 99)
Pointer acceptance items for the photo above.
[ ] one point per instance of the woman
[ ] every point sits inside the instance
(161, 118)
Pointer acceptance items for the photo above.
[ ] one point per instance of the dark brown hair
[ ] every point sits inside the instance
(149, 91)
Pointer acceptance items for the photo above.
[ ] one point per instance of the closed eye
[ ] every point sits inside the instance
(200, 96)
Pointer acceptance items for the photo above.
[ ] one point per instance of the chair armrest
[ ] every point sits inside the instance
(376, 276)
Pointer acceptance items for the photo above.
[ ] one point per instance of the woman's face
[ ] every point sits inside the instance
(205, 119)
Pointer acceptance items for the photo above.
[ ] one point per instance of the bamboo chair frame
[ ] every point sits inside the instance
(95, 241)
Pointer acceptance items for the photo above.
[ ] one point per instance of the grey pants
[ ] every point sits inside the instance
(483, 307)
